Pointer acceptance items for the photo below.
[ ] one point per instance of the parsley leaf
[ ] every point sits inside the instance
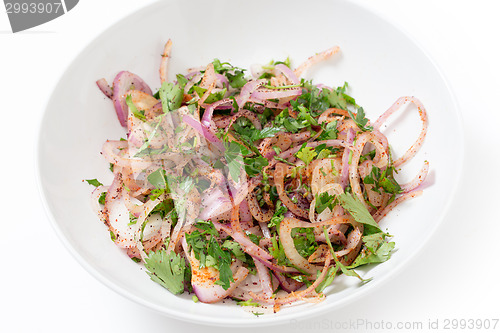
(324, 201)
(158, 179)
(376, 250)
(360, 120)
(384, 180)
(359, 212)
(254, 165)
(328, 280)
(306, 154)
(171, 96)
(210, 253)
(329, 131)
(236, 80)
(279, 215)
(167, 270)
(304, 241)
(346, 270)
(93, 182)
(102, 198)
(234, 158)
(213, 97)
(235, 248)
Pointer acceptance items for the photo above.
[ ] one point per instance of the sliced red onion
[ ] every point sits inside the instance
(94, 199)
(290, 75)
(418, 180)
(291, 252)
(264, 279)
(381, 213)
(315, 59)
(209, 111)
(214, 203)
(269, 104)
(381, 160)
(207, 134)
(265, 230)
(105, 88)
(209, 77)
(423, 117)
(222, 80)
(273, 267)
(122, 83)
(245, 214)
(288, 284)
(247, 114)
(247, 91)
(344, 175)
(263, 93)
(165, 57)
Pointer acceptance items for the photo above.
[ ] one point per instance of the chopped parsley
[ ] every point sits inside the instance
(93, 182)
(361, 120)
(209, 252)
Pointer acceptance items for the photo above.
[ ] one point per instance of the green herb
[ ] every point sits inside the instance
(235, 248)
(213, 97)
(254, 165)
(167, 270)
(376, 250)
(234, 158)
(181, 81)
(158, 178)
(328, 280)
(258, 313)
(360, 120)
(209, 252)
(324, 201)
(171, 96)
(250, 134)
(279, 214)
(384, 180)
(254, 238)
(330, 131)
(306, 154)
(236, 80)
(112, 235)
(235, 75)
(248, 302)
(293, 125)
(278, 252)
(136, 259)
(345, 270)
(102, 198)
(93, 182)
(139, 114)
(359, 212)
(304, 241)
(195, 298)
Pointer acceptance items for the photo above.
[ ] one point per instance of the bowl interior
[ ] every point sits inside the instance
(379, 62)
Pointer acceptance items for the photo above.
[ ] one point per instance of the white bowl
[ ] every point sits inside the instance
(379, 61)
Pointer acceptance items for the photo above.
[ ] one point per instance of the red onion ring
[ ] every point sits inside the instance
(122, 83)
(105, 88)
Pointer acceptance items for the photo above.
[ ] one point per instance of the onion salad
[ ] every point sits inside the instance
(252, 185)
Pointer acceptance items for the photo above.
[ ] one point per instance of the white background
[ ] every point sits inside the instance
(456, 276)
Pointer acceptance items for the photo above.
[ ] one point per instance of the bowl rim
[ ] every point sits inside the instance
(263, 320)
